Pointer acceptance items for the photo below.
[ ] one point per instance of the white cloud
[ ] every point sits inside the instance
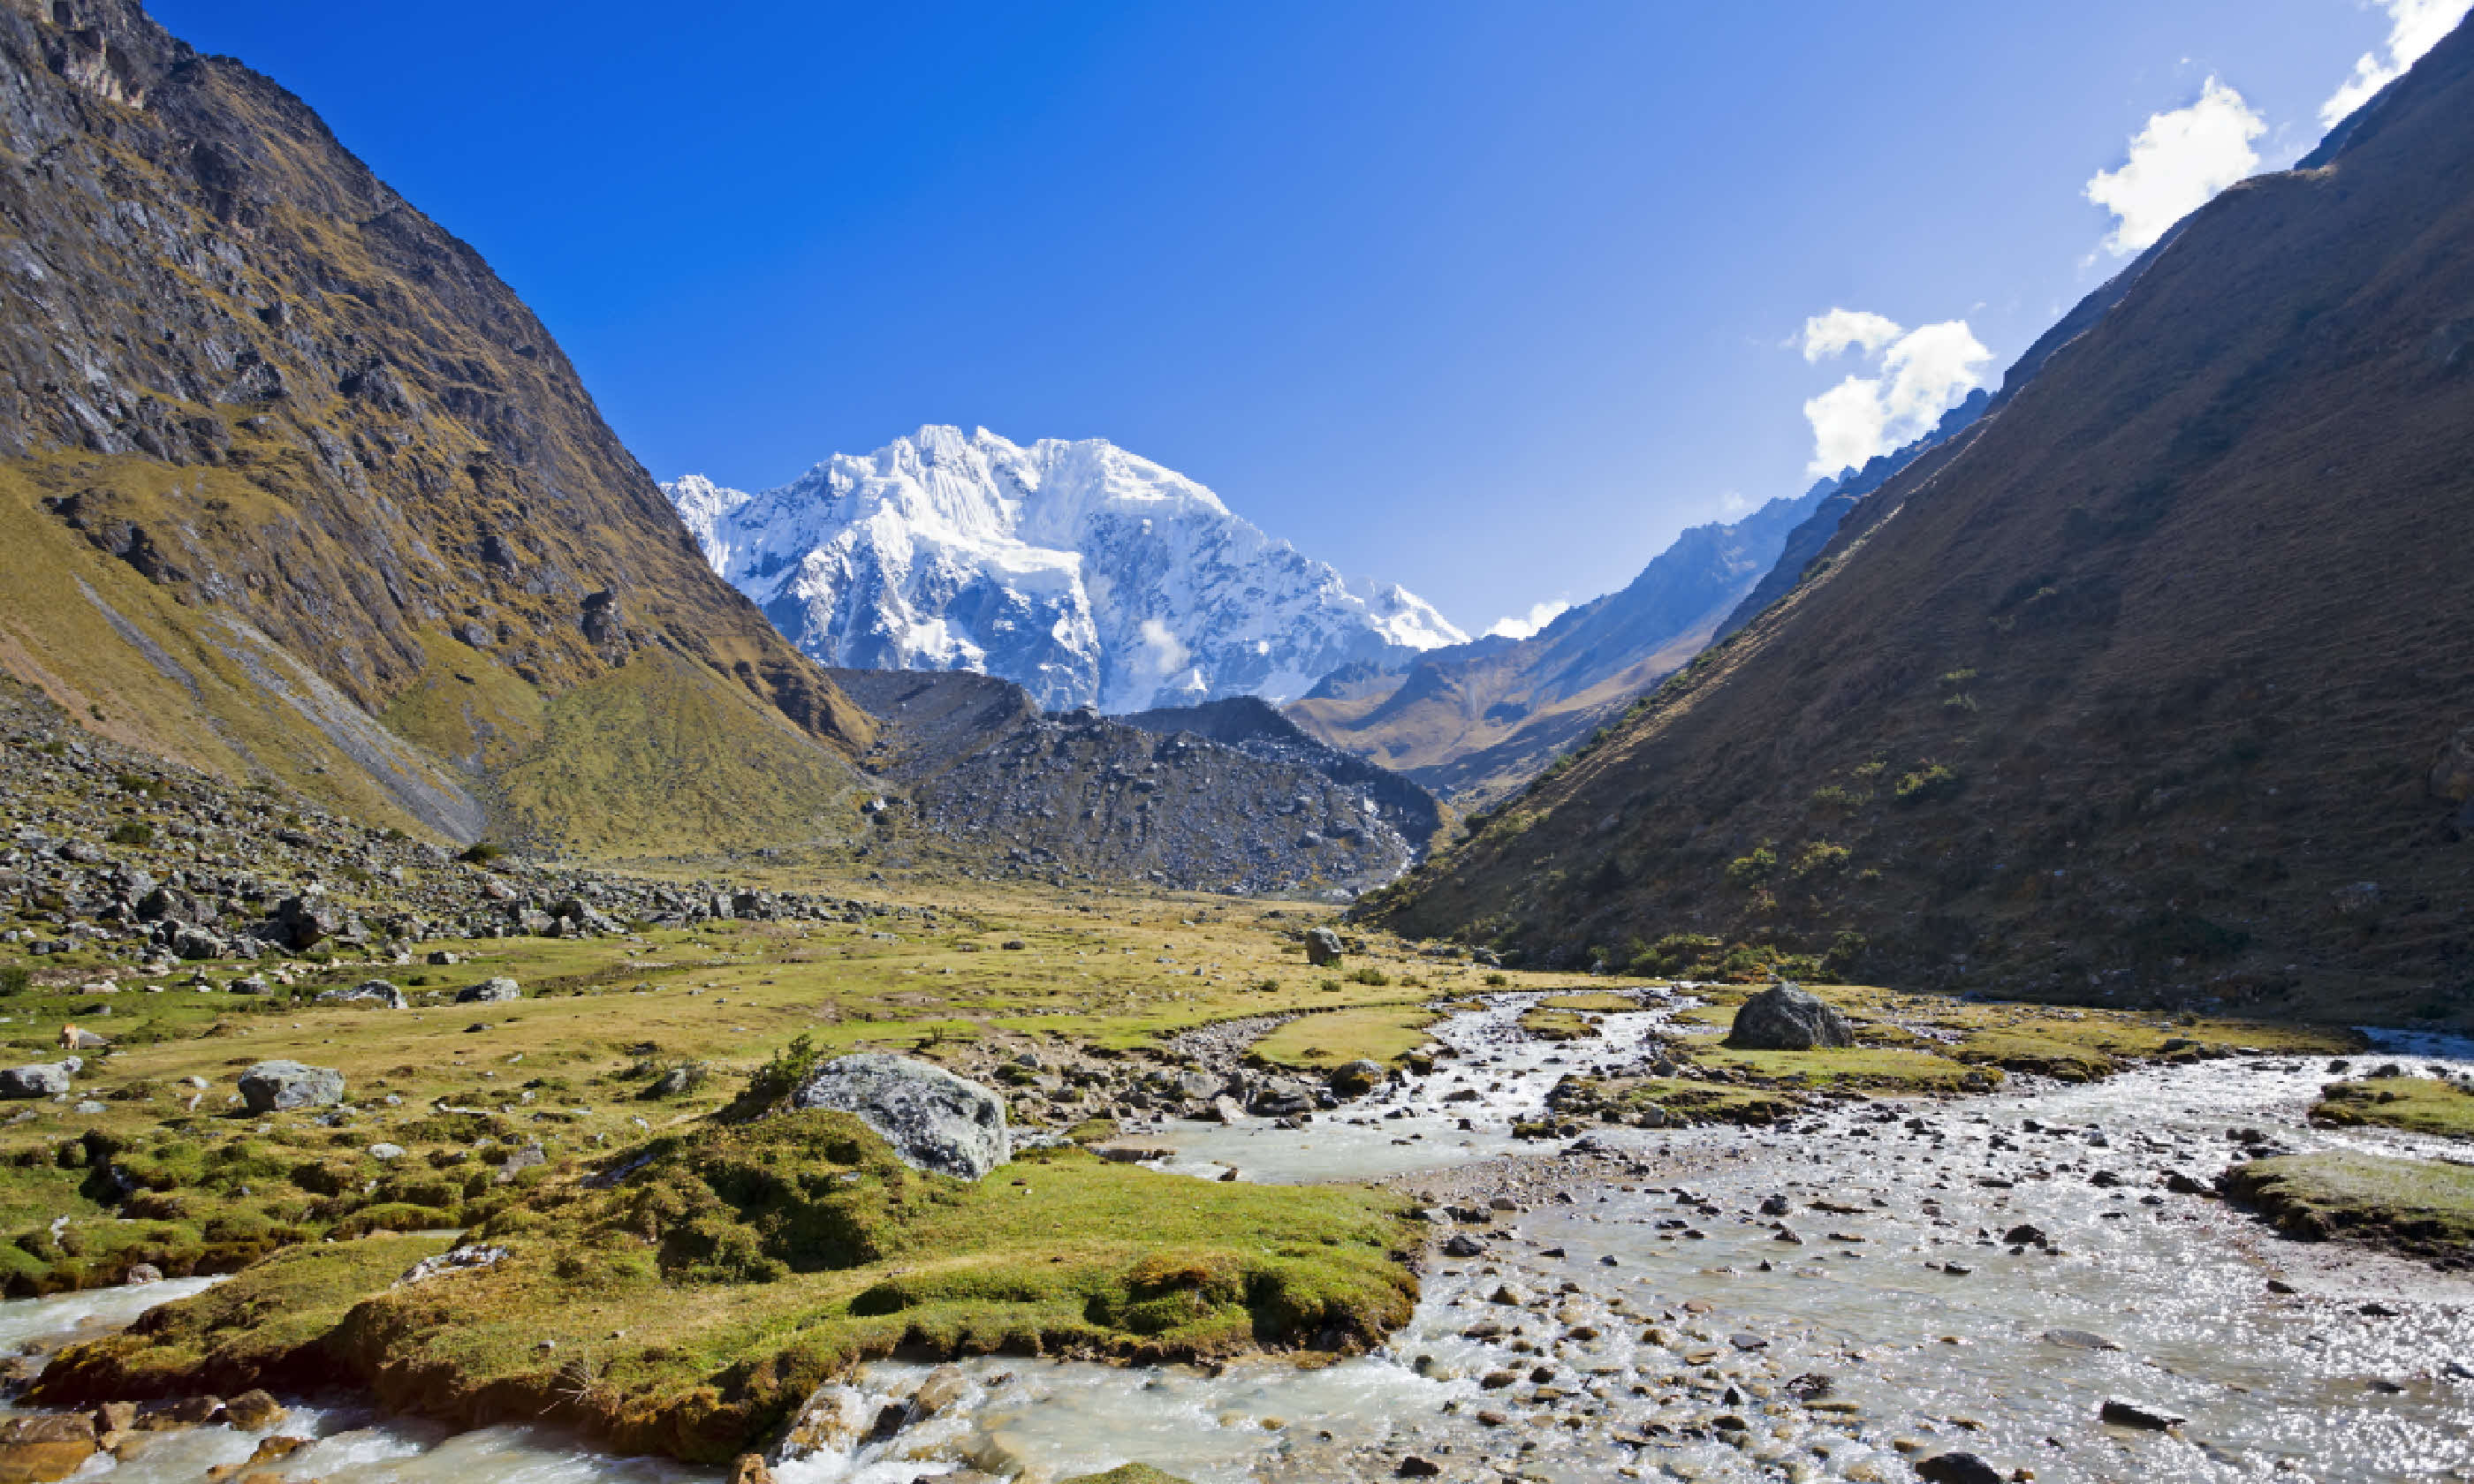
(1828, 334)
(1158, 654)
(1924, 372)
(2178, 163)
(2415, 27)
(1516, 627)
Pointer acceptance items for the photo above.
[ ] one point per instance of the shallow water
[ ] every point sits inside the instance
(2274, 1387)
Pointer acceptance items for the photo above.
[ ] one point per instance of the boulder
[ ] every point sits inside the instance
(933, 1119)
(1786, 1017)
(1356, 1079)
(1323, 946)
(305, 920)
(490, 991)
(42, 1079)
(369, 992)
(45, 1447)
(197, 945)
(277, 1086)
(1280, 1099)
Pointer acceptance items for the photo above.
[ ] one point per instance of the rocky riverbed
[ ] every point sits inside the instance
(2036, 1279)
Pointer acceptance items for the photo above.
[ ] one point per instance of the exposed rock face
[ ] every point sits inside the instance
(278, 1087)
(1083, 573)
(933, 1119)
(42, 1079)
(287, 458)
(1784, 1017)
(490, 991)
(2105, 703)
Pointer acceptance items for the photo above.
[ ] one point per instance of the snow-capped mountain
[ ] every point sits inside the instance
(1079, 571)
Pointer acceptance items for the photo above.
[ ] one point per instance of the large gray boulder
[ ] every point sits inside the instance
(369, 992)
(933, 1119)
(277, 1087)
(1323, 946)
(490, 991)
(1785, 1018)
(42, 1079)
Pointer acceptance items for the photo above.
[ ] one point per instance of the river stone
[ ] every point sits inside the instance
(45, 1447)
(2136, 1414)
(42, 1079)
(1785, 1018)
(254, 1411)
(1323, 946)
(490, 993)
(277, 1087)
(944, 1386)
(933, 1119)
(1957, 1469)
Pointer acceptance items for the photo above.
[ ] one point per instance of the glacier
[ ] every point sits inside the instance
(1088, 575)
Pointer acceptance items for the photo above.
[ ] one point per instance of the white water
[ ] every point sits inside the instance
(2274, 1387)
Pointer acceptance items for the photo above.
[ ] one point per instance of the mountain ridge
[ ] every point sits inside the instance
(293, 487)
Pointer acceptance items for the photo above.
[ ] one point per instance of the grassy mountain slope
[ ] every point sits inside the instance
(2156, 689)
(279, 458)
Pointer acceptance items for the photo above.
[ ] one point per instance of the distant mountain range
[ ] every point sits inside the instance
(1474, 720)
(1084, 573)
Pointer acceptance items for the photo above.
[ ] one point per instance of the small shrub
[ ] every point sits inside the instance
(1837, 796)
(480, 853)
(14, 979)
(139, 783)
(1871, 770)
(133, 832)
(774, 1079)
(1496, 981)
(1846, 951)
(1819, 856)
(1755, 868)
(1932, 780)
(1370, 974)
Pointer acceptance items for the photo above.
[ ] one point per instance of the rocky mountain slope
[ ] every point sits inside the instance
(977, 778)
(2152, 690)
(1256, 727)
(1079, 571)
(293, 488)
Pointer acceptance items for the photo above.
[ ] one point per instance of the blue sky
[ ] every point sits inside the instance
(1490, 299)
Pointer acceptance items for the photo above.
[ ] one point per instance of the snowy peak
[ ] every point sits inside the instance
(1086, 573)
